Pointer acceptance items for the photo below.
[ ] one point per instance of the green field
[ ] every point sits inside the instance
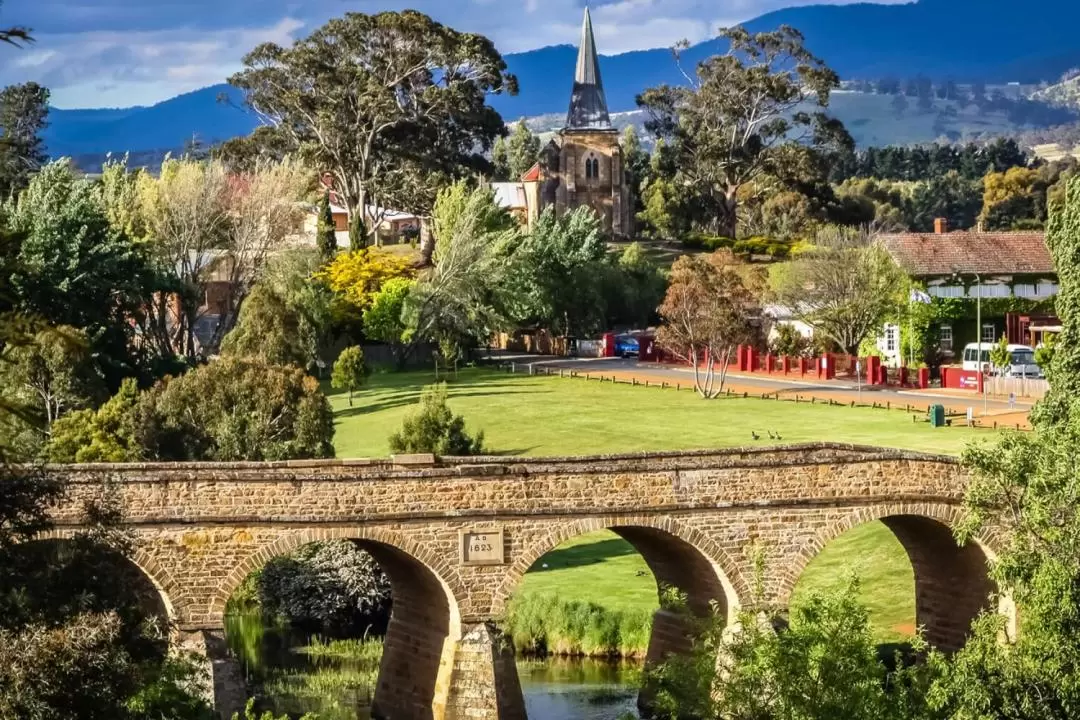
(533, 415)
(604, 569)
(526, 415)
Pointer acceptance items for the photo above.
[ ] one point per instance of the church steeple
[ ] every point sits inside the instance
(588, 106)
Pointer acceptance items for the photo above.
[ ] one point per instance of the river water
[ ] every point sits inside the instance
(288, 677)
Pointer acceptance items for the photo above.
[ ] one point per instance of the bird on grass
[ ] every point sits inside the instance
(771, 436)
(755, 435)
(778, 436)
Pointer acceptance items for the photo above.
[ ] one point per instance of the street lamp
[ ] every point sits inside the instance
(978, 331)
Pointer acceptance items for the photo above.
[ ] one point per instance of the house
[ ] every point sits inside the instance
(393, 226)
(583, 164)
(1012, 272)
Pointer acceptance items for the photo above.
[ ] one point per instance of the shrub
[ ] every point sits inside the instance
(350, 372)
(230, 409)
(433, 428)
(333, 585)
(789, 342)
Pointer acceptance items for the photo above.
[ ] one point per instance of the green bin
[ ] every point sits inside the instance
(937, 415)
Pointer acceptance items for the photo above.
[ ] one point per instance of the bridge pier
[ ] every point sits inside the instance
(224, 687)
(485, 684)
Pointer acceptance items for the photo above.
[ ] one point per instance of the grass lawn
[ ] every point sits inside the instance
(524, 415)
(603, 568)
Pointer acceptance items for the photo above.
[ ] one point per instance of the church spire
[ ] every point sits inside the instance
(588, 106)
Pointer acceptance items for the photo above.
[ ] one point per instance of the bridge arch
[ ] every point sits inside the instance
(675, 553)
(679, 557)
(425, 623)
(952, 582)
(168, 591)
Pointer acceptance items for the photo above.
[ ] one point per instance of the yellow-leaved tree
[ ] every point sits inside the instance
(356, 277)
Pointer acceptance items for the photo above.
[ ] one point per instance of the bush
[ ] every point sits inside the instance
(708, 243)
(433, 428)
(789, 342)
(230, 409)
(546, 625)
(334, 586)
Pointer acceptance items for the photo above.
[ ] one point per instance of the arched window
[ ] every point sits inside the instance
(589, 169)
(595, 169)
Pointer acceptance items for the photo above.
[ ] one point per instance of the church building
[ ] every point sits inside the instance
(583, 164)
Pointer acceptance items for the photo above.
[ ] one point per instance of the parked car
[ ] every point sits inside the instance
(627, 346)
(1021, 360)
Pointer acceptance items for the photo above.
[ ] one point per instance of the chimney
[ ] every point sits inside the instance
(941, 226)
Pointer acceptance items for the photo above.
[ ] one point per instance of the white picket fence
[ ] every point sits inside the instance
(1028, 388)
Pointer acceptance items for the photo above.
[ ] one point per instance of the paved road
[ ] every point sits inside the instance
(838, 390)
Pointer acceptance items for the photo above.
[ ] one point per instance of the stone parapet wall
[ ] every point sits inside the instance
(703, 521)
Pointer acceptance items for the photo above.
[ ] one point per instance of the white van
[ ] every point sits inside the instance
(1021, 360)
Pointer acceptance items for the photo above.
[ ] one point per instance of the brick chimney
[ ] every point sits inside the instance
(941, 226)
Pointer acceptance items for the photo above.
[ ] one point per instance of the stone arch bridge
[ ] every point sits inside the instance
(455, 536)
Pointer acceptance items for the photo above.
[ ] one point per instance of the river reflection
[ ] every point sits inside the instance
(579, 689)
(292, 672)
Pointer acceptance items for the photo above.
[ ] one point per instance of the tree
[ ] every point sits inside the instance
(203, 225)
(844, 287)
(54, 374)
(384, 319)
(500, 161)
(389, 126)
(636, 163)
(822, 665)
(1000, 357)
(350, 371)
(741, 109)
(1024, 488)
(1009, 199)
(109, 434)
(241, 155)
(74, 268)
(949, 196)
(556, 273)
(459, 298)
(432, 428)
(1063, 239)
(705, 317)
(333, 586)
(24, 110)
(236, 409)
(523, 150)
(357, 276)
(269, 330)
(325, 234)
(635, 289)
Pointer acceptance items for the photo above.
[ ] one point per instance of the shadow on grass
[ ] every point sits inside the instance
(411, 398)
(583, 555)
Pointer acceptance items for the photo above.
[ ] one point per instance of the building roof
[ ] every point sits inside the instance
(509, 195)
(588, 106)
(988, 253)
(532, 174)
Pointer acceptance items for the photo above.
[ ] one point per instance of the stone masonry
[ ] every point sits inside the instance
(703, 521)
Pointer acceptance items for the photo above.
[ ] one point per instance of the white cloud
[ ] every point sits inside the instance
(125, 52)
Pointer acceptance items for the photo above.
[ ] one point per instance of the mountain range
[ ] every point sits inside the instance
(994, 41)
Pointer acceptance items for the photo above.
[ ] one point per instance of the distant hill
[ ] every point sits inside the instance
(993, 41)
(162, 127)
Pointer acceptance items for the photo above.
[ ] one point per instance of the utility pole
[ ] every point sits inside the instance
(978, 330)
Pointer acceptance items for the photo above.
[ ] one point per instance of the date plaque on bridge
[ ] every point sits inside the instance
(482, 547)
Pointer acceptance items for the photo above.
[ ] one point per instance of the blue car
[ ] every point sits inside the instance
(627, 346)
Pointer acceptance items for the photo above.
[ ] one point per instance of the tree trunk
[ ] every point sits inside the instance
(728, 223)
(427, 242)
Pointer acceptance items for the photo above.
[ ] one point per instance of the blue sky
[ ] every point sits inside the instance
(117, 53)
